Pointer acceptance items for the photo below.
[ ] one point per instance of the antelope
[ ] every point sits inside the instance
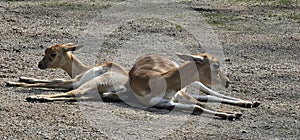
(157, 81)
(86, 82)
(154, 80)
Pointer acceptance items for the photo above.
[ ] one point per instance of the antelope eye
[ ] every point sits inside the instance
(216, 66)
(53, 54)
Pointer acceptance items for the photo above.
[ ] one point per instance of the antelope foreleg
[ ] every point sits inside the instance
(234, 101)
(34, 80)
(214, 99)
(40, 98)
(66, 84)
(202, 87)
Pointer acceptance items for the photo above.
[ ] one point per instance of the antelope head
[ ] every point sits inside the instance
(208, 68)
(57, 56)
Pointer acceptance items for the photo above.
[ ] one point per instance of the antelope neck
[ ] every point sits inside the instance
(74, 67)
(180, 77)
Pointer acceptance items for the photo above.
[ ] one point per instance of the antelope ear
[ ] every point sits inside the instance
(69, 44)
(71, 47)
(199, 58)
(188, 57)
(185, 57)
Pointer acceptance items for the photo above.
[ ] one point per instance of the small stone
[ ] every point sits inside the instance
(227, 60)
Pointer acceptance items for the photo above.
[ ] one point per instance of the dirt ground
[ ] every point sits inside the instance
(259, 40)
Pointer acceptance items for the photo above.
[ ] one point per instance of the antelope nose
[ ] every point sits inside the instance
(227, 84)
(41, 66)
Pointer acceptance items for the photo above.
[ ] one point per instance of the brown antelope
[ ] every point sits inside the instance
(156, 81)
(86, 81)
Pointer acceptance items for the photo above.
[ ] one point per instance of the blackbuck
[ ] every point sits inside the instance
(157, 81)
(154, 81)
(87, 82)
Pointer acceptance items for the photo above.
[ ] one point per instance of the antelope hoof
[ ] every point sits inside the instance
(256, 104)
(234, 116)
(106, 94)
(12, 84)
(35, 99)
(248, 105)
(238, 115)
(252, 104)
(231, 117)
(26, 80)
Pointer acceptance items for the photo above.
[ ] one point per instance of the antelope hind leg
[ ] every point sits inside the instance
(169, 105)
(184, 98)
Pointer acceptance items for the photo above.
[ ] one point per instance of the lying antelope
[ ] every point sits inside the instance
(156, 81)
(86, 81)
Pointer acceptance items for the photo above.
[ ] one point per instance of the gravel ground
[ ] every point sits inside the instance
(258, 40)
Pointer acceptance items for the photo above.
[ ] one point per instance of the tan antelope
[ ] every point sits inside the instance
(156, 81)
(110, 79)
(87, 82)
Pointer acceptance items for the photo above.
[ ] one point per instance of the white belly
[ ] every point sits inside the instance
(89, 75)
